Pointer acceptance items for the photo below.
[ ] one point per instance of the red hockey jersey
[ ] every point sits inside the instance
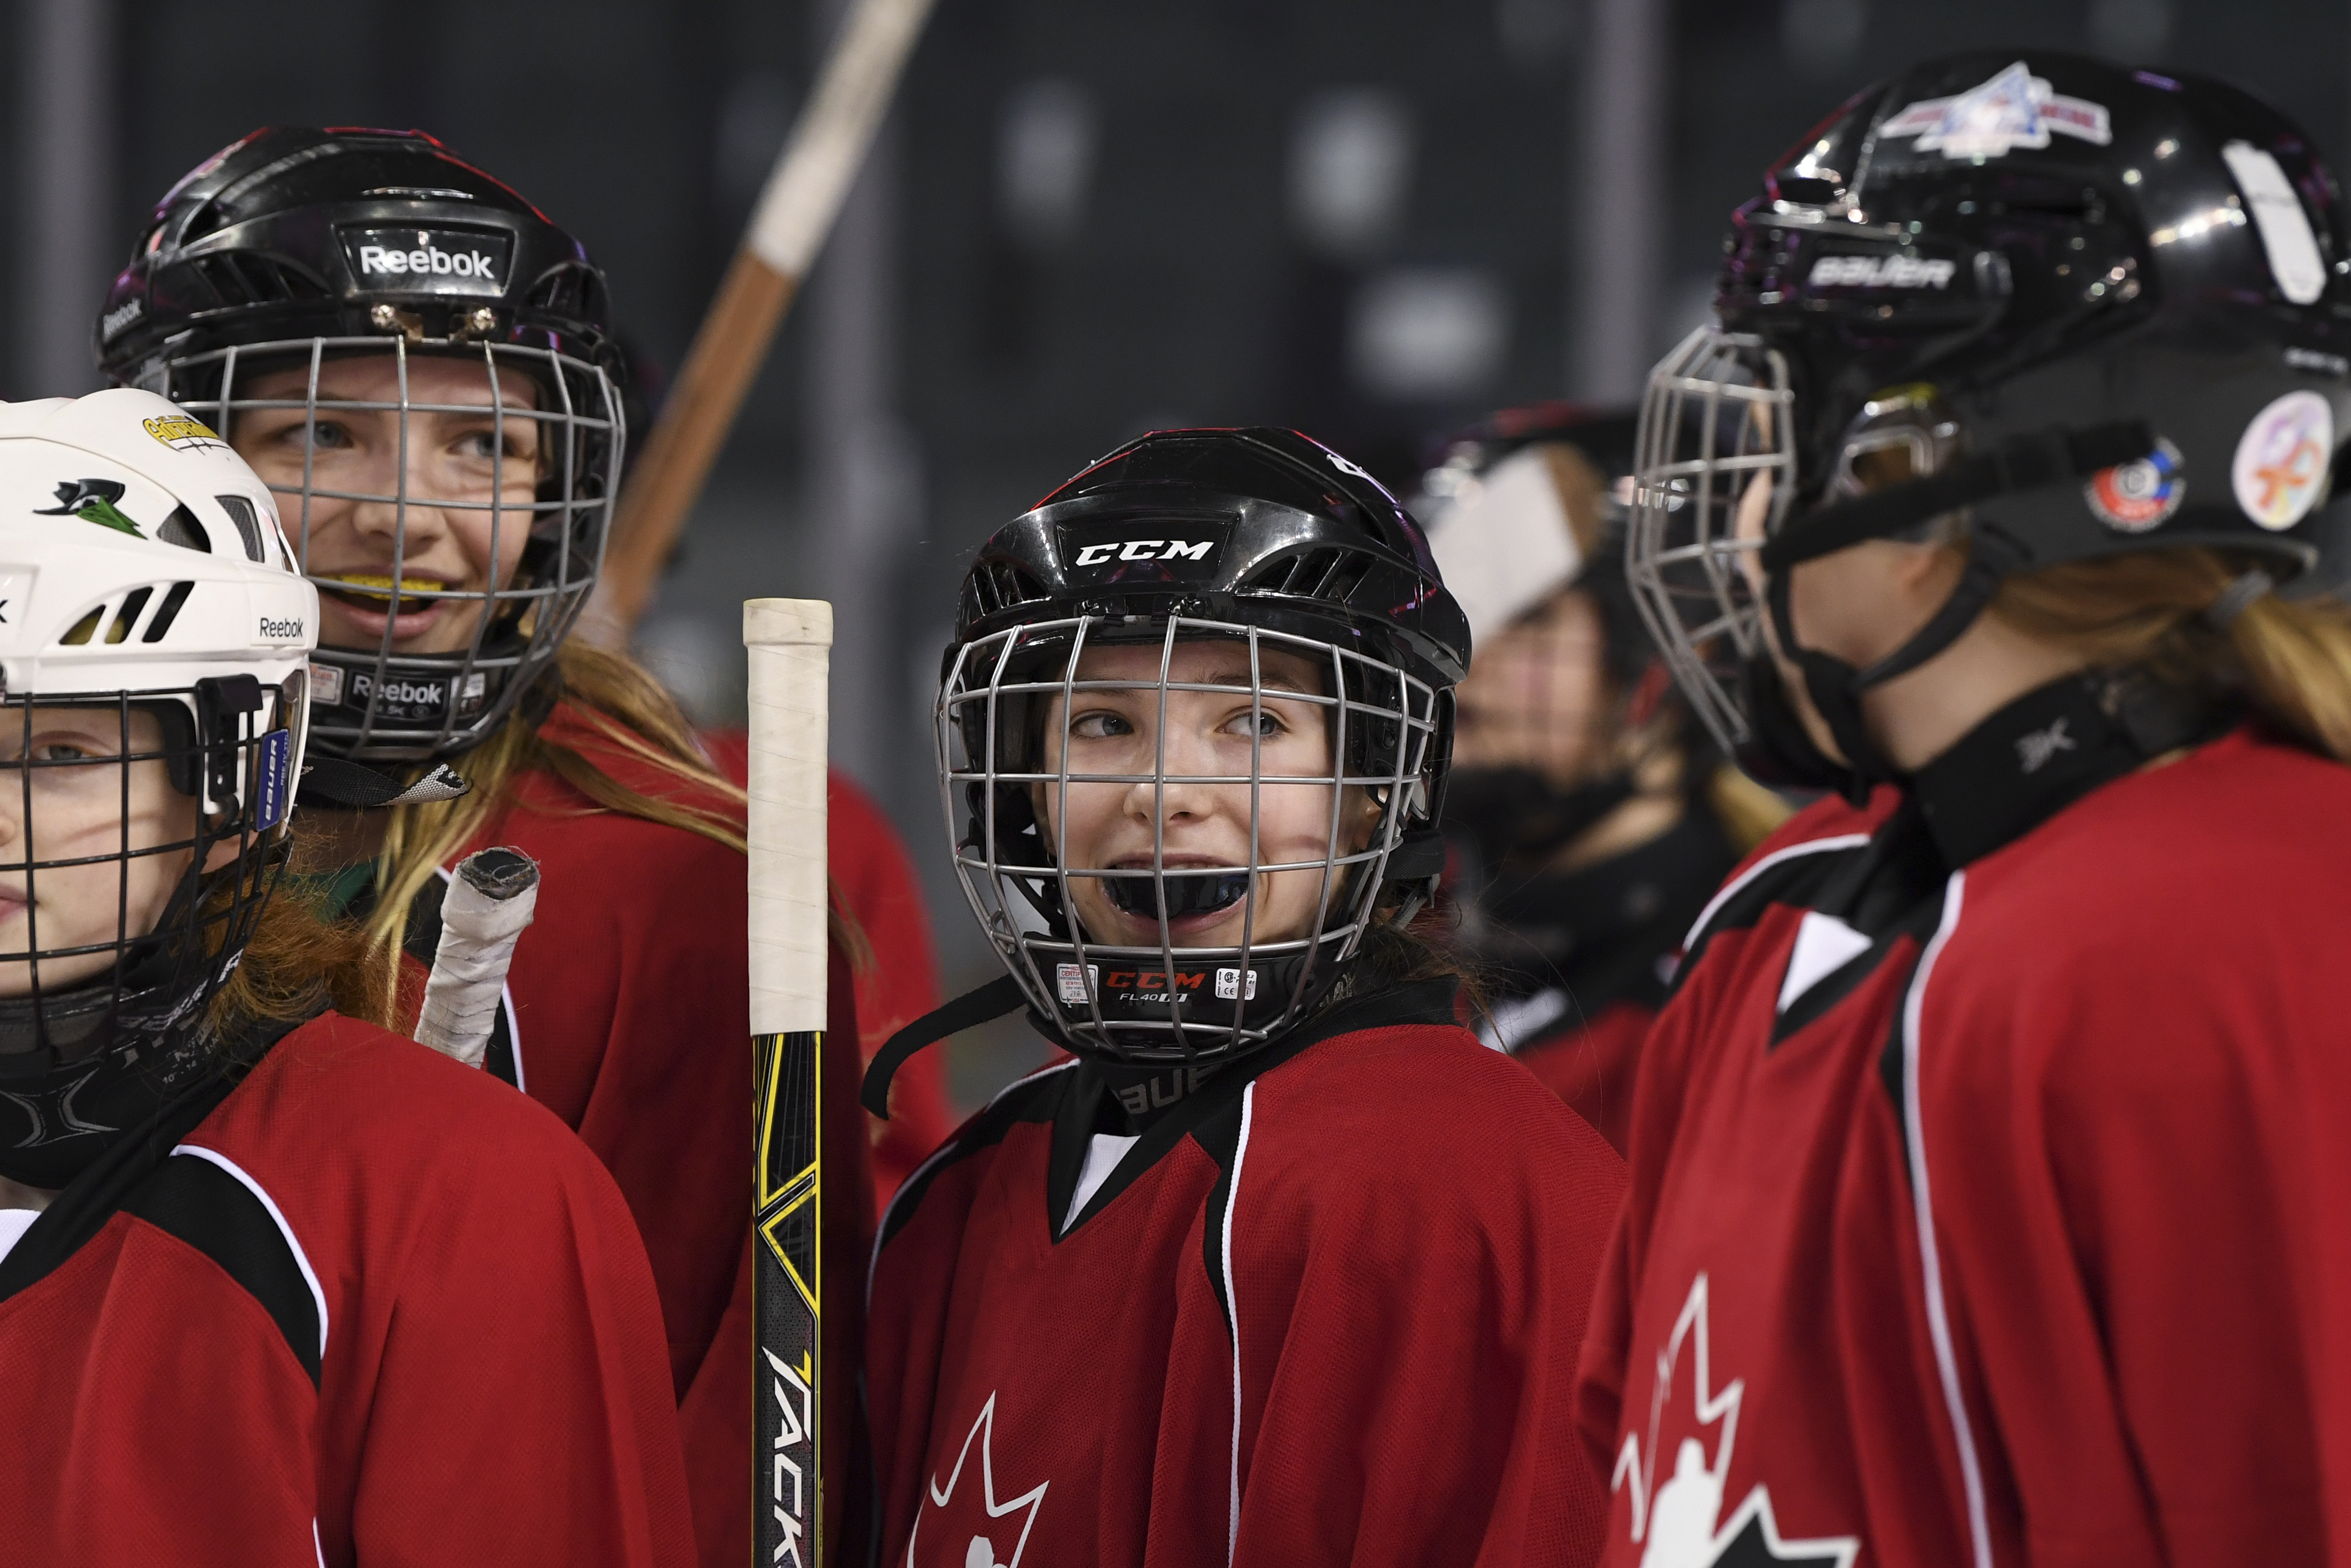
(367, 1308)
(1987, 1180)
(1593, 1067)
(899, 982)
(1323, 1310)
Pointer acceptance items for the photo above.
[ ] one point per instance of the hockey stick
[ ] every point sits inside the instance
(490, 899)
(789, 642)
(796, 210)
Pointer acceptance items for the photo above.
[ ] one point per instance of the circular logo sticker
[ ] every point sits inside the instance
(2280, 471)
(2132, 497)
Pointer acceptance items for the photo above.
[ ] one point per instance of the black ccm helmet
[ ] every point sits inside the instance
(2054, 307)
(1260, 536)
(296, 247)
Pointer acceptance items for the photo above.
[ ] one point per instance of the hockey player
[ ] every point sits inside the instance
(1281, 1266)
(1987, 1174)
(1589, 817)
(418, 363)
(277, 1286)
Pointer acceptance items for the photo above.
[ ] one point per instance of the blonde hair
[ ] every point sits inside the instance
(299, 954)
(2289, 659)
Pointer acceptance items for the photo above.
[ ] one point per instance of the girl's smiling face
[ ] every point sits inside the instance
(468, 463)
(1163, 797)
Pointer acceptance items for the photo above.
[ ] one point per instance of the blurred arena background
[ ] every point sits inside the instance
(1373, 220)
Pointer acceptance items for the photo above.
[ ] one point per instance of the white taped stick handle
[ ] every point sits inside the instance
(790, 641)
(491, 897)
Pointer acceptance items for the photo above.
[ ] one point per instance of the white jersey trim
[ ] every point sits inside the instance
(1938, 1319)
(1730, 889)
(1233, 1301)
(301, 1259)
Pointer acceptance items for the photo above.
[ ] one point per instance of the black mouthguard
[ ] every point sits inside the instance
(1188, 892)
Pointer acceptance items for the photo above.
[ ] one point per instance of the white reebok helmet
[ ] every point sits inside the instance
(143, 571)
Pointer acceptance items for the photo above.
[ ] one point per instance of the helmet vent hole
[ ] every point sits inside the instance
(180, 528)
(248, 524)
(173, 597)
(83, 629)
(133, 603)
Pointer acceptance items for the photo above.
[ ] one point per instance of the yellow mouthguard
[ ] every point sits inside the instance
(406, 585)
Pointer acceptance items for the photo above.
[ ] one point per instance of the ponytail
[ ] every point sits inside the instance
(2290, 660)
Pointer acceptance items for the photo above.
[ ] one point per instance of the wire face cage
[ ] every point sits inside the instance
(449, 502)
(1175, 833)
(120, 915)
(1714, 474)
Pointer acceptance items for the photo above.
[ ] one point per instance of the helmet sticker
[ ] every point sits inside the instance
(2280, 470)
(91, 500)
(2014, 108)
(1889, 271)
(2286, 236)
(275, 767)
(182, 434)
(1137, 552)
(429, 261)
(2134, 498)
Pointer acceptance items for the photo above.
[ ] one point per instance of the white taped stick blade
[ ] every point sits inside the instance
(789, 644)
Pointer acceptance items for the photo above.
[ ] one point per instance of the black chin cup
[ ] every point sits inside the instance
(1176, 894)
(1515, 813)
(1779, 750)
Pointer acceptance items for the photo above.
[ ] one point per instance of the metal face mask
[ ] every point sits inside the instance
(1714, 476)
(1176, 833)
(451, 504)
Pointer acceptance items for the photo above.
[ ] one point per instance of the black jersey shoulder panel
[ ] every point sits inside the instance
(1797, 880)
(1032, 1099)
(201, 1203)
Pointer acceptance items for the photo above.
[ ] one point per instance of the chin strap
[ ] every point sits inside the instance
(2038, 460)
(337, 783)
(992, 1000)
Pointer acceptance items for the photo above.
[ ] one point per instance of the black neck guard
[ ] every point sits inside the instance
(1599, 931)
(2046, 750)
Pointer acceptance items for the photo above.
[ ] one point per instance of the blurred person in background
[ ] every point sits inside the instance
(1588, 819)
(419, 364)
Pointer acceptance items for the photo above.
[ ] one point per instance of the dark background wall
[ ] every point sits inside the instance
(1367, 219)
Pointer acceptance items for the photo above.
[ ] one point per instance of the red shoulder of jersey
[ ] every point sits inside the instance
(368, 1275)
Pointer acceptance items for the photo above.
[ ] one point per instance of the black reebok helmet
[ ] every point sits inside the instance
(1259, 538)
(2049, 306)
(288, 254)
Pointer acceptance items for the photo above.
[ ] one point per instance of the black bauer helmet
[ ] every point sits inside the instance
(294, 250)
(1260, 537)
(2043, 305)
